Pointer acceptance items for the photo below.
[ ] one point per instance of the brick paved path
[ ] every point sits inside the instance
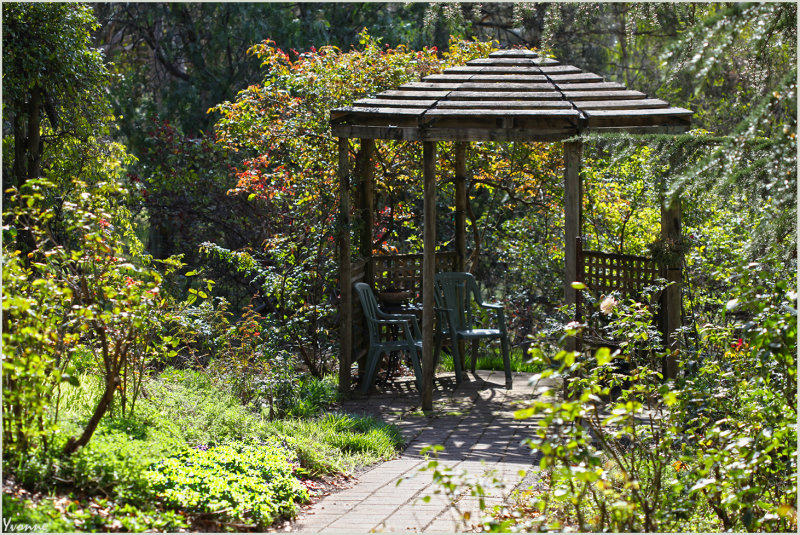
(474, 423)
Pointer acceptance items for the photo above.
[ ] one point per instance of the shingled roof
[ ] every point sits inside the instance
(511, 95)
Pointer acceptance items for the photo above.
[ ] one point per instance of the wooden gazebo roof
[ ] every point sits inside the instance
(512, 95)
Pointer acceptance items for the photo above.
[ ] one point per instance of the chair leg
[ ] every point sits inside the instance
(372, 368)
(456, 358)
(474, 363)
(437, 346)
(416, 356)
(506, 360)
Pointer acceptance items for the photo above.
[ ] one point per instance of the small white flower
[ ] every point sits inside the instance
(607, 305)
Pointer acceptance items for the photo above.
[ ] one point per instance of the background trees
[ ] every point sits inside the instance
(55, 109)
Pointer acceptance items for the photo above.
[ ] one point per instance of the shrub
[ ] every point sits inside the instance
(77, 291)
(714, 449)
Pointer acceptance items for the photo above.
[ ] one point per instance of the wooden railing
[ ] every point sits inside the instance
(403, 272)
(604, 273)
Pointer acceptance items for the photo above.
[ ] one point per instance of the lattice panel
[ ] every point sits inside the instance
(609, 272)
(404, 272)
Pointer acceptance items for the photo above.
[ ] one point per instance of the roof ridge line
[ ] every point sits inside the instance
(435, 105)
(581, 116)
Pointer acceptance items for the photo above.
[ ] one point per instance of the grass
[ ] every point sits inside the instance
(109, 484)
(339, 443)
(491, 358)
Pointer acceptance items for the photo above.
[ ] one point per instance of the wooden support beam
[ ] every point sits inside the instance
(345, 287)
(428, 269)
(573, 201)
(461, 206)
(365, 177)
(461, 225)
(671, 304)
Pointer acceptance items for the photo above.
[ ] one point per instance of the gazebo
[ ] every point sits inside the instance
(510, 96)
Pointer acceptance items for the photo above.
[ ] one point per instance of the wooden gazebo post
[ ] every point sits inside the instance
(345, 270)
(366, 204)
(460, 180)
(573, 212)
(671, 310)
(428, 268)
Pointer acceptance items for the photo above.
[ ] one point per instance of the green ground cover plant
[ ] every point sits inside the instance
(189, 436)
(246, 482)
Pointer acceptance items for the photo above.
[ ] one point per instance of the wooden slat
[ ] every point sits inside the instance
(397, 133)
(498, 134)
(501, 61)
(508, 77)
(486, 78)
(386, 111)
(621, 104)
(448, 77)
(660, 128)
(545, 61)
(653, 112)
(649, 117)
(603, 95)
(601, 86)
(575, 77)
(514, 53)
(531, 123)
(499, 69)
(412, 95)
(504, 104)
(491, 113)
(464, 69)
(559, 69)
(503, 95)
(387, 102)
(505, 86)
(422, 86)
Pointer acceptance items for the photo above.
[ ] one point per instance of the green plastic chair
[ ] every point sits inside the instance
(409, 336)
(456, 291)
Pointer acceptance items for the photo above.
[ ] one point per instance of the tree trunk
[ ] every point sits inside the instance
(34, 148)
(102, 407)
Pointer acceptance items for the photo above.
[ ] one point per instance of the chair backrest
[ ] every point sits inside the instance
(455, 289)
(370, 306)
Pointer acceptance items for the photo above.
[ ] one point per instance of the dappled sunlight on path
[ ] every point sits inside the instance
(475, 424)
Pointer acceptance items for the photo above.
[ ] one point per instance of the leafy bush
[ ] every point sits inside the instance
(246, 481)
(187, 404)
(313, 396)
(83, 288)
(714, 449)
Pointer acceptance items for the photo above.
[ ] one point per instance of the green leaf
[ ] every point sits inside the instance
(71, 379)
(603, 356)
